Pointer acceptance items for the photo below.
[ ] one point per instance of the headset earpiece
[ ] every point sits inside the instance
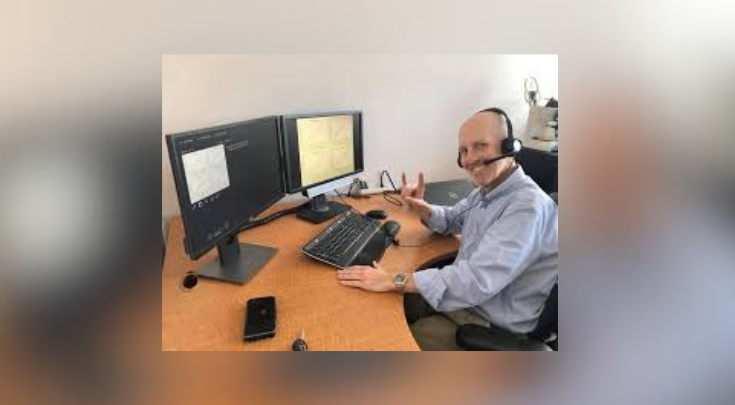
(511, 146)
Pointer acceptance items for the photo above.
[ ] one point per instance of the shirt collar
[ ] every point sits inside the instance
(515, 175)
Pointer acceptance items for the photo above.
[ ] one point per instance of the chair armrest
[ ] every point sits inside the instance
(480, 338)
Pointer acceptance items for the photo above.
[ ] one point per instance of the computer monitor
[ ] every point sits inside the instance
(320, 152)
(224, 177)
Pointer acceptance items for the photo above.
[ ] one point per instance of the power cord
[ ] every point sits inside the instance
(456, 217)
(391, 199)
(345, 202)
(399, 244)
(272, 217)
(451, 223)
(290, 211)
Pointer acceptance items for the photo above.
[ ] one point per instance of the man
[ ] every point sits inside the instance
(507, 262)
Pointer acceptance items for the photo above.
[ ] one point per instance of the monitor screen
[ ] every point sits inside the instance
(225, 176)
(319, 148)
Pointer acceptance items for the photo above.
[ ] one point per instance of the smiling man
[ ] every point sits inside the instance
(507, 263)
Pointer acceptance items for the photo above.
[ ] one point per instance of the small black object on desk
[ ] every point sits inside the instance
(300, 344)
(377, 214)
(391, 229)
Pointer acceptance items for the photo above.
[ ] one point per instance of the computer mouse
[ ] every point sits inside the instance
(391, 228)
(377, 214)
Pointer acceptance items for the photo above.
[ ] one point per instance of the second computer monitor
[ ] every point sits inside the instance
(224, 177)
(320, 150)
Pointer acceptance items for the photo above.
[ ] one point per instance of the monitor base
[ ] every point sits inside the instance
(321, 210)
(237, 263)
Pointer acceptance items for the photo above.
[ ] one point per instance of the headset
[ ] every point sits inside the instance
(510, 146)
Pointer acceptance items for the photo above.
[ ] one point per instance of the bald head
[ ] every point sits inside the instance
(489, 123)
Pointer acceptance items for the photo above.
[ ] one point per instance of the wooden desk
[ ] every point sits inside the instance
(211, 316)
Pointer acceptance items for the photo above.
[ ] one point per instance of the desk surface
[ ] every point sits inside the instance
(211, 316)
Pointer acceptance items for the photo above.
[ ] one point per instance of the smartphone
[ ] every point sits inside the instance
(260, 321)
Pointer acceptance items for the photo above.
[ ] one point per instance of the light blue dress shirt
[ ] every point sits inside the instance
(508, 257)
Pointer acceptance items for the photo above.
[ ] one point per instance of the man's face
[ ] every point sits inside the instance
(479, 139)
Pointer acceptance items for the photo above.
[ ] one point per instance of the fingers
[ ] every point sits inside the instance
(353, 273)
(353, 276)
(422, 184)
(354, 284)
(404, 185)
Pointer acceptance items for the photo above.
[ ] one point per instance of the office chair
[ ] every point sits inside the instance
(543, 338)
(542, 167)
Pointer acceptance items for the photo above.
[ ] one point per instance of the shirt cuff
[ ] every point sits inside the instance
(430, 285)
(437, 222)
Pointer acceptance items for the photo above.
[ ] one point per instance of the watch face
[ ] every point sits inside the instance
(400, 279)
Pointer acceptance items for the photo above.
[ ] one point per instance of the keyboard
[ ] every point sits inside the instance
(352, 239)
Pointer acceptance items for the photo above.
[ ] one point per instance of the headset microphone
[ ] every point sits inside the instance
(488, 162)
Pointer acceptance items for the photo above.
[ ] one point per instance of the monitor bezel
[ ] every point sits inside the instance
(177, 168)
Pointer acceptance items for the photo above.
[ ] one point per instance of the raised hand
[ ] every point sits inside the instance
(413, 195)
(413, 190)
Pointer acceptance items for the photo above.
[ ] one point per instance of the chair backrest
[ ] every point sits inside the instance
(548, 323)
(542, 167)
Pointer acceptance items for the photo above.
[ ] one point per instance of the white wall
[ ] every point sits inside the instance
(412, 105)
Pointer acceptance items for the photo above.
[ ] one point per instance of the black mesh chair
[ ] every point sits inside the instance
(543, 338)
(542, 167)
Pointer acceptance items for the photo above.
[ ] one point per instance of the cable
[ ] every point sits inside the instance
(272, 217)
(289, 211)
(399, 244)
(451, 223)
(390, 179)
(345, 202)
(391, 199)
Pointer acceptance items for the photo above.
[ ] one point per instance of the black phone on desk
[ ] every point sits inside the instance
(260, 321)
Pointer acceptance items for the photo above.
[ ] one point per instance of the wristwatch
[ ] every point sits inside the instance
(400, 280)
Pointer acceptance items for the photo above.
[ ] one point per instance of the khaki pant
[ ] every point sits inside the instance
(436, 330)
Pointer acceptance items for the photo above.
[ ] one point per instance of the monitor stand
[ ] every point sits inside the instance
(320, 210)
(237, 263)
